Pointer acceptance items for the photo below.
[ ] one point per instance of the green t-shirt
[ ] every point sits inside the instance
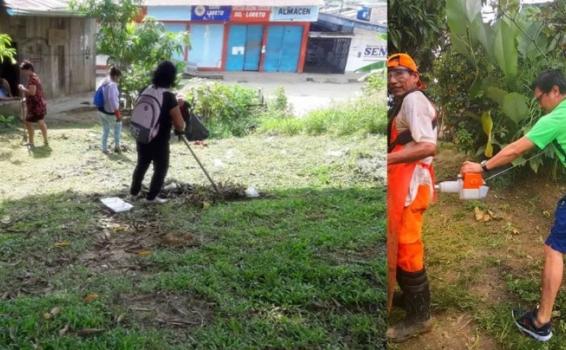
(551, 128)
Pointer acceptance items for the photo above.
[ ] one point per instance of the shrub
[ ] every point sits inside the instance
(227, 110)
(286, 126)
(376, 82)
(280, 102)
(365, 115)
(7, 121)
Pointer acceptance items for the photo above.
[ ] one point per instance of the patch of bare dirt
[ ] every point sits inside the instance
(124, 238)
(451, 331)
(167, 310)
(490, 288)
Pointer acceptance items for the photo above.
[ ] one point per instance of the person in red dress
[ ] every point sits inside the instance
(35, 102)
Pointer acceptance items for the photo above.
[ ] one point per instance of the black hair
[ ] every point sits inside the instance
(115, 72)
(164, 75)
(27, 65)
(547, 79)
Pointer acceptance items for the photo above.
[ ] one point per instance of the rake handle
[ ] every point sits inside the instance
(184, 138)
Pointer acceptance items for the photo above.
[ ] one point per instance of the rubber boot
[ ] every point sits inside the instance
(399, 299)
(416, 301)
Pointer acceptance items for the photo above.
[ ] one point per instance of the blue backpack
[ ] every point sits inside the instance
(99, 97)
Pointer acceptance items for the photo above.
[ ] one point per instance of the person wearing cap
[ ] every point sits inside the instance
(550, 93)
(412, 137)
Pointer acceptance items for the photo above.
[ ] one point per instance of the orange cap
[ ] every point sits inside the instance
(402, 60)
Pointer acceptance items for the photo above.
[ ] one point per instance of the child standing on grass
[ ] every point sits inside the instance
(109, 115)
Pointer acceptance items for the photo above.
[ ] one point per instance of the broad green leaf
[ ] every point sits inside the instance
(481, 33)
(496, 94)
(515, 106)
(535, 164)
(505, 49)
(553, 43)
(458, 23)
(473, 9)
(528, 41)
(487, 126)
(459, 43)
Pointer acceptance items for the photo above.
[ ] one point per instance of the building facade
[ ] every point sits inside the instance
(60, 45)
(240, 35)
(340, 42)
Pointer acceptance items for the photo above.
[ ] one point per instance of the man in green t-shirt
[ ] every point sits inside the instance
(550, 92)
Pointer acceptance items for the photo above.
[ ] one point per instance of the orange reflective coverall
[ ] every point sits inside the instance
(405, 248)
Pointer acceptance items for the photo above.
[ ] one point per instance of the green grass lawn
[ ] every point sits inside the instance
(302, 267)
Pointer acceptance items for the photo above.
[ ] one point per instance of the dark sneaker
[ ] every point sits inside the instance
(525, 322)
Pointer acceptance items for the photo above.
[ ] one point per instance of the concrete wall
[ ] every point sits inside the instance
(365, 49)
(62, 50)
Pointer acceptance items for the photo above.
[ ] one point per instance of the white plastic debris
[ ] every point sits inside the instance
(251, 192)
(336, 153)
(116, 204)
(218, 163)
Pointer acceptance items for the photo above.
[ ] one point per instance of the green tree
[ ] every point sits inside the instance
(485, 75)
(6, 49)
(417, 28)
(134, 47)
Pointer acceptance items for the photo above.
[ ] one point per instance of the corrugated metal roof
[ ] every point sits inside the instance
(38, 8)
(266, 3)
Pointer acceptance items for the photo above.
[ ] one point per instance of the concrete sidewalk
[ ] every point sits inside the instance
(283, 78)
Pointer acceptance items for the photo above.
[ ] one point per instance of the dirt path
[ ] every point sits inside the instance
(452, 331)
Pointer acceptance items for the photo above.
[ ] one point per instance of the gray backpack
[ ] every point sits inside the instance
(144, 124)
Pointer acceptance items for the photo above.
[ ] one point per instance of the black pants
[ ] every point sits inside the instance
(159, 154)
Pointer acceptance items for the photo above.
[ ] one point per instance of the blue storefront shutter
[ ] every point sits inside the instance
(206, 45)
(283, 48)
(253, 47)
(292, 49)
(236, 48)
(273, 48)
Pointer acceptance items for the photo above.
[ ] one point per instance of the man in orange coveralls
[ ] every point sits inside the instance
(410, 188)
